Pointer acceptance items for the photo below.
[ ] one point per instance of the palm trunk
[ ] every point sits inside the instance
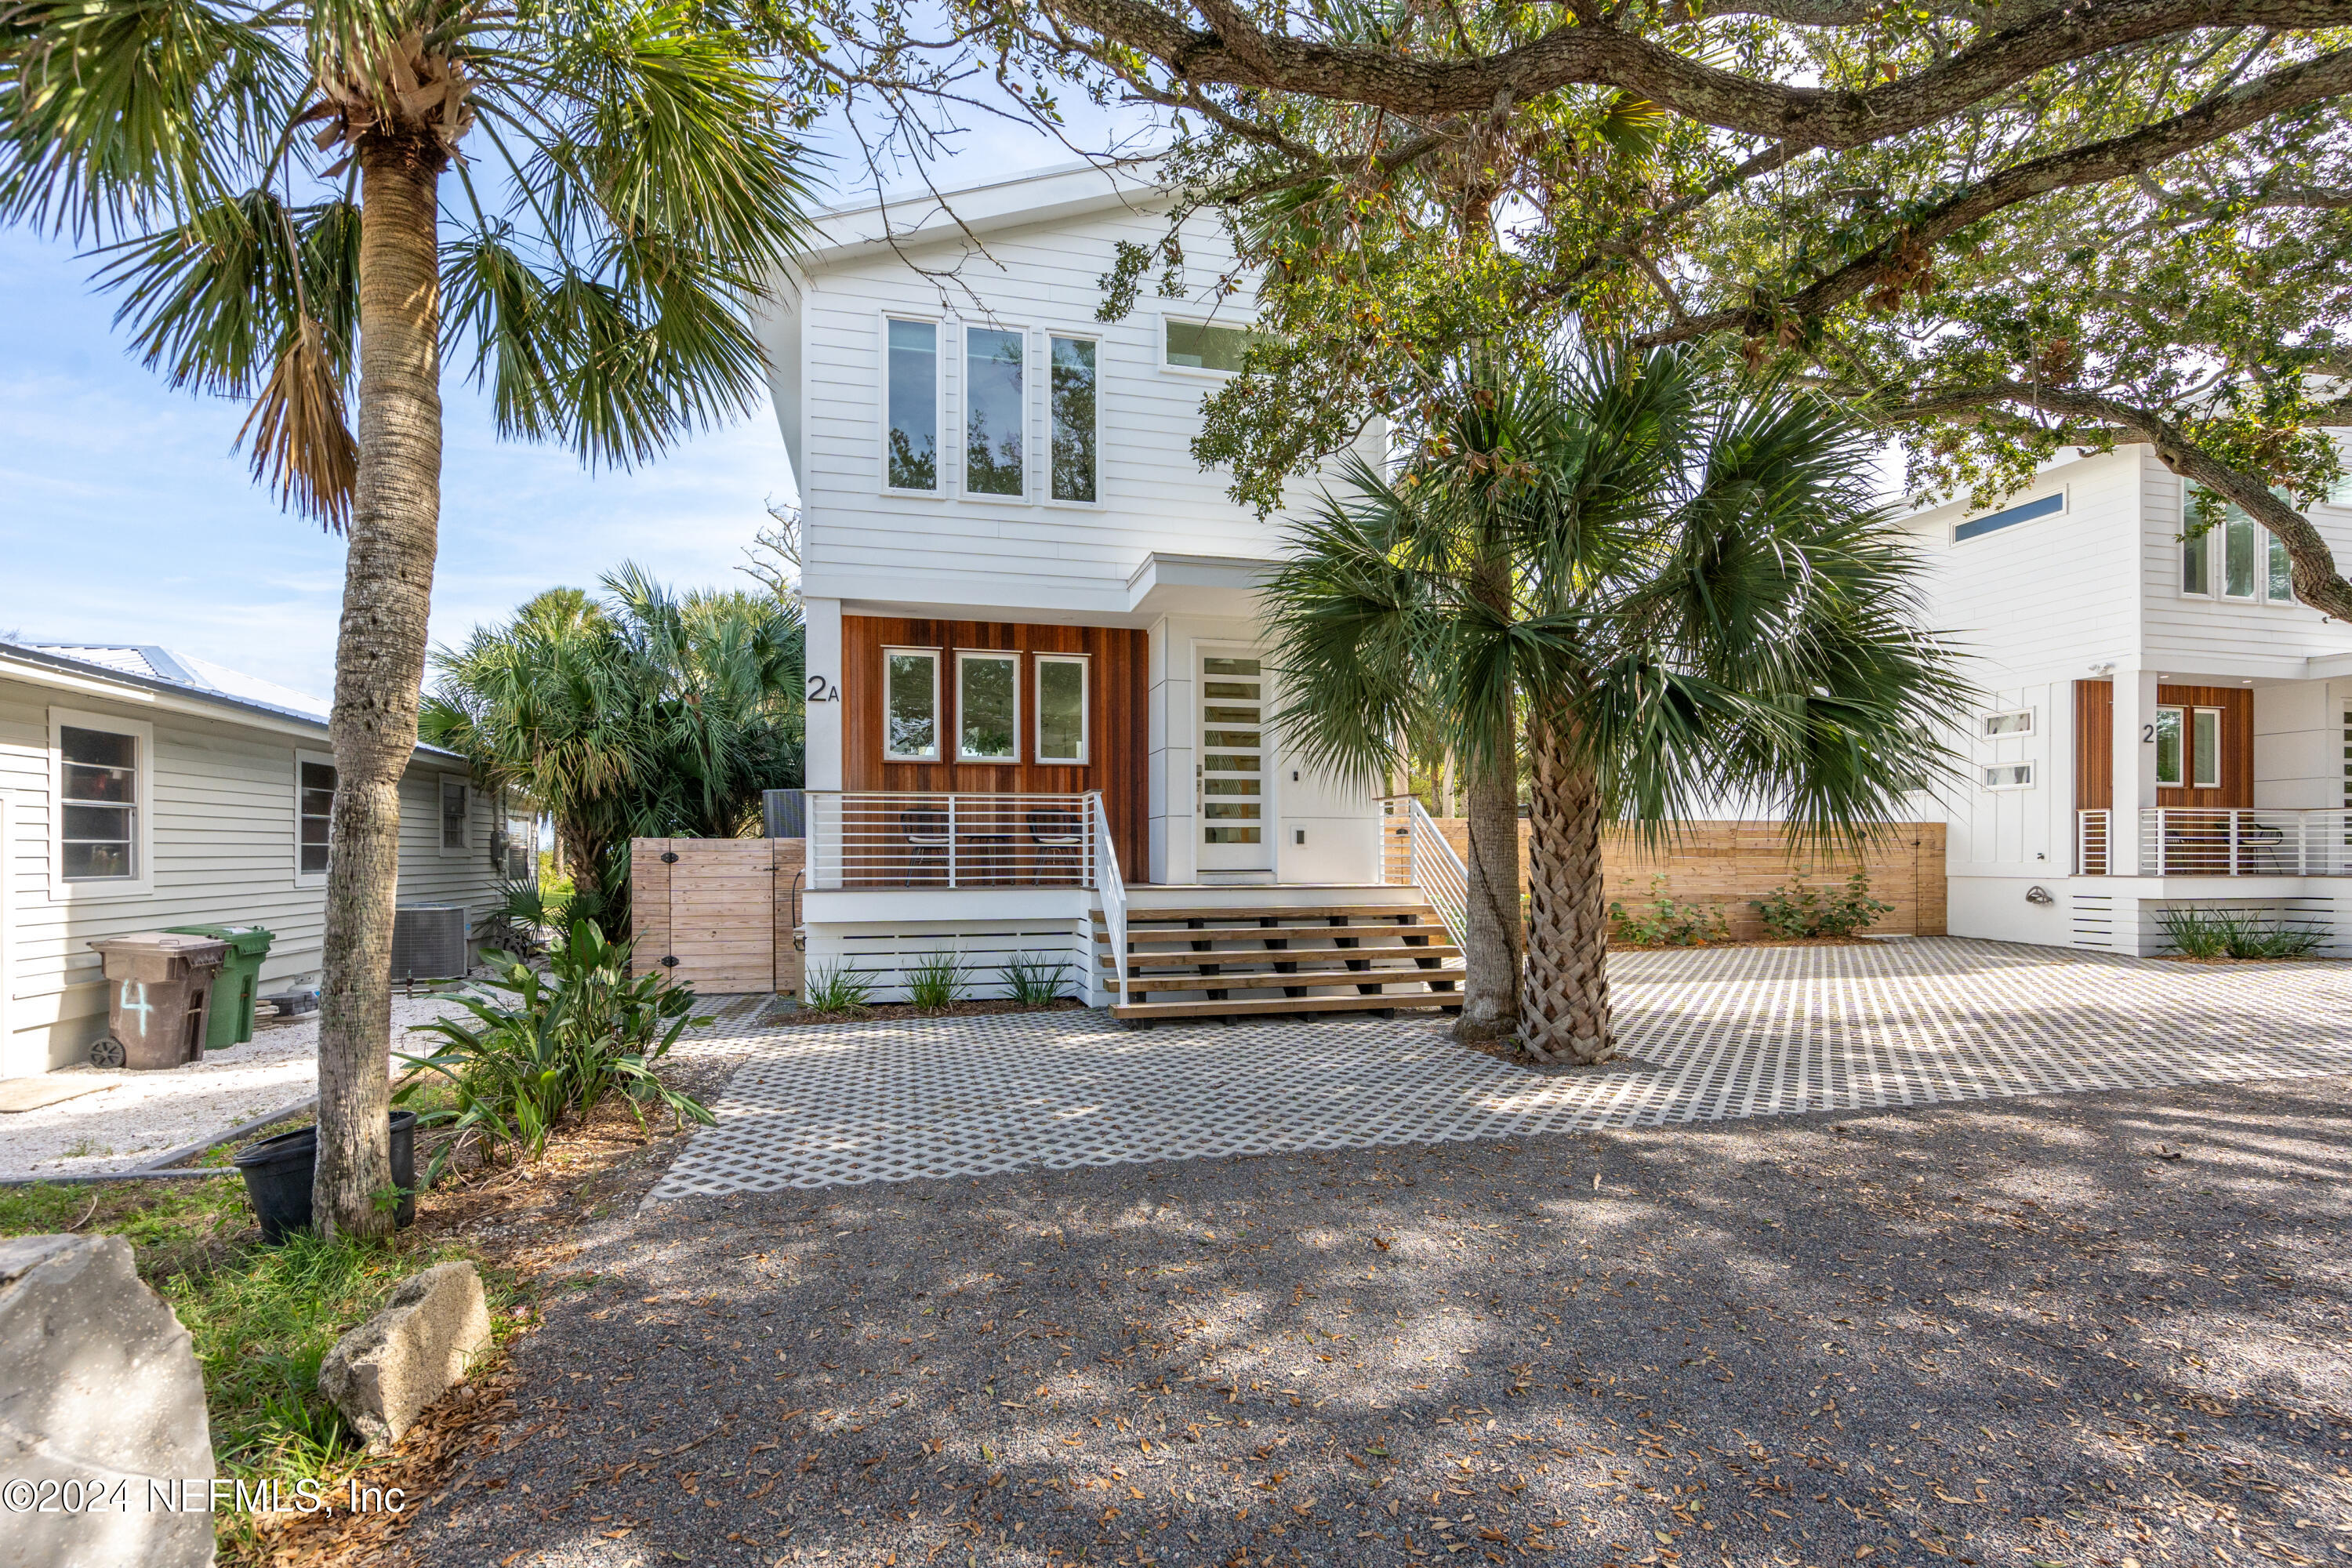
(379, 671)
(1566, 998)
(1494, 947)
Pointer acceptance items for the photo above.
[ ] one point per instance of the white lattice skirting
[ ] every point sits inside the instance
(1713, 1034)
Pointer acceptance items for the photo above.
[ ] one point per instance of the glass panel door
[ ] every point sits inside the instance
(1233, 765)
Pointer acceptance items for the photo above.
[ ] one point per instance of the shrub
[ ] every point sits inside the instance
(2236, 934)
(1804, 911)
(1669, 922)
(544, 1046)
(936, 981)
(1032, 981)
(836, 988)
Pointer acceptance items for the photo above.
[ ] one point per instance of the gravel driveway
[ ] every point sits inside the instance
(2006, 1332)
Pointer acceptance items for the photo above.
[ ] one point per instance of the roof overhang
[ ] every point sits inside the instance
(904, 220)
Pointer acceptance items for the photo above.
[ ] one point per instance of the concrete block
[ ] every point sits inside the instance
(382, 1373)
(101, 1412)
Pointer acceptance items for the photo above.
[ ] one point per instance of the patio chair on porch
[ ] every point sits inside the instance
(1057, 835)
(929, 839)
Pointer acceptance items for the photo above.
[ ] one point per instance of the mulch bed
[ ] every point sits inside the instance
(887, 1010)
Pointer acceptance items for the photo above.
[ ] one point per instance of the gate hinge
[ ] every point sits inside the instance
(670, 961)
(669, 856)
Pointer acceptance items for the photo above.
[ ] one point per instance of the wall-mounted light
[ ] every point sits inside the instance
(2038, 894)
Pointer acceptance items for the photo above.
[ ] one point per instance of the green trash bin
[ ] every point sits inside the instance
(240, 979)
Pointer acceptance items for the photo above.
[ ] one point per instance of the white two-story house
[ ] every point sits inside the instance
(2163, 725)
(1039, 707)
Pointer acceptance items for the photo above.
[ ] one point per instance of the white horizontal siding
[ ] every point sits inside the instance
(998, 550)
(222, 801)
(2226, 637)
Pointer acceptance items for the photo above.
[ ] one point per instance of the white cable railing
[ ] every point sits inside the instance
(877, 839)
(2092, 835)
(2217, 841)
(1437, 870)
(1110, 887)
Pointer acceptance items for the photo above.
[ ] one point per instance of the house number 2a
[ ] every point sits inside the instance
(820, 690)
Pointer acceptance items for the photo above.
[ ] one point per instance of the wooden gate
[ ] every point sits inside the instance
(718, 913)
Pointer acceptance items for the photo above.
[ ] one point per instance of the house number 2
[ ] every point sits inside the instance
(820, 690)
(2148, 735)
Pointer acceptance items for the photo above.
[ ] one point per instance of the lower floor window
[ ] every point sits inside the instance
(2008, 775)
(315, 815)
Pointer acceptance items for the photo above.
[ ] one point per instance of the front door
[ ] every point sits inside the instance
(1232, 773)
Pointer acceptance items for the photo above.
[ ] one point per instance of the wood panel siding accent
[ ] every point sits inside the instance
(2094, 745)
(1729, 865)
(2237, 706)
(1118, 733)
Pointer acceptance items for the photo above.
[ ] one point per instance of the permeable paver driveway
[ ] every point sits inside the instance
(1708, 1035)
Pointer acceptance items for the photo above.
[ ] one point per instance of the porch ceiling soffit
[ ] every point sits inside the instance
(1161, 584)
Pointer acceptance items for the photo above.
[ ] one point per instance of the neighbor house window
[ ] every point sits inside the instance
(314, 813)
(988, 707)
(1999, 726)
(910, 705)
(911, 462)
(1061, 709)
(99, 781)
(1074, 419)
(2008, 775)
(2205, 748)
(2169, 749)
(992, 412)
(457, 810)
(1196, 345)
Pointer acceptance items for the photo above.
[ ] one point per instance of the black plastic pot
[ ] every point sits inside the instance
(277, 1172)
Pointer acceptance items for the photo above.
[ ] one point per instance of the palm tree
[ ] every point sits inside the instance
(1702, 604)
(642, 715)
(638, 180)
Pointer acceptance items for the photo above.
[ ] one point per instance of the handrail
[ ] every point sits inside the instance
(1112, 890)
(948, 839)
(2216, 841)
(1438, 872)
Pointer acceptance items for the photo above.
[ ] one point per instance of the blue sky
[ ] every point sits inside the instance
(130, 518)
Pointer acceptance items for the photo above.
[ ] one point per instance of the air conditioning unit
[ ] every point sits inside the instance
(429, 942)
(783, 813)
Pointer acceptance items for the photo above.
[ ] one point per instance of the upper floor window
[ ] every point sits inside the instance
(2251, 561)
(2051, 505)
(99, 782)
(1199, 345)
(911, 458)
(2017, 721)
(992, 412)
(1073, 393)
(314, 813)
(910, 705)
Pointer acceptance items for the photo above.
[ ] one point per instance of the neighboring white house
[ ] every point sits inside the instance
(2163, 725)
(1034, 663)
(140, 790)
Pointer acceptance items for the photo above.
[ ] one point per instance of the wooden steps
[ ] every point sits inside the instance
(1351, 958)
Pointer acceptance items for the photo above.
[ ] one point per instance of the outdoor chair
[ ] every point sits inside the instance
(1058, 835)
(927, 837)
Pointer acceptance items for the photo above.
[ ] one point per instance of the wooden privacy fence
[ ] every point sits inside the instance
(1731, 864)
(718, 915)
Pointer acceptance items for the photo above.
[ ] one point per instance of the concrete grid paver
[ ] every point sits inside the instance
(1709, 1034)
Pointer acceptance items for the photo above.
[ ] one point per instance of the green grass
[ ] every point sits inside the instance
(261, 1317)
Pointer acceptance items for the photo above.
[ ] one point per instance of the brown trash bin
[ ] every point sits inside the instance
(159, 993)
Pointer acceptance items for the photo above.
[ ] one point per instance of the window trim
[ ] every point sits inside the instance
(941, 334)
(1188, 317)
(1028, 413)
(1985, 731)
(1102, 382)
(1985, 775)
(441, 782)
(1002, 656)
(143, 810)
(2196, 762)
(325, 759)
(1085, 708)
(938, 708)
(2266, 545)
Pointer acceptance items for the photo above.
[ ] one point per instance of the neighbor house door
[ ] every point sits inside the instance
(1235, 816)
